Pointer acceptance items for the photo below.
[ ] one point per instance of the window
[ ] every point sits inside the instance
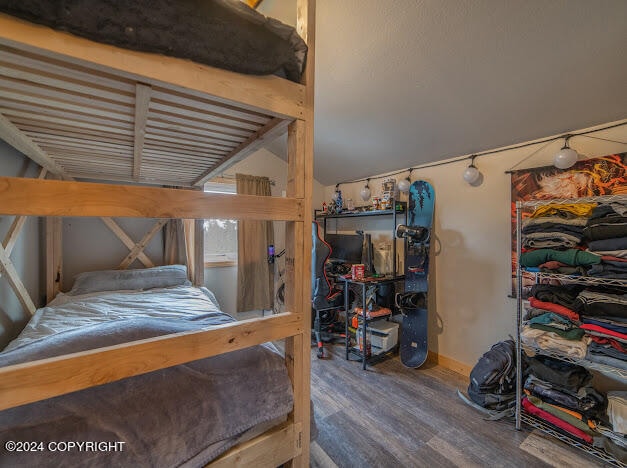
(220, 234)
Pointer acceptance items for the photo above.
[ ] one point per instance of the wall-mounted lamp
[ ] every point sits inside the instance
(365, 192)
(566, 157)
(403, 184)
(472, 174)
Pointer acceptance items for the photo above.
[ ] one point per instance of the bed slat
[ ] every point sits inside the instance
(142, 101)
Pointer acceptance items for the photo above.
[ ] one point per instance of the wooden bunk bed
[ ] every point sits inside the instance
(137, 117)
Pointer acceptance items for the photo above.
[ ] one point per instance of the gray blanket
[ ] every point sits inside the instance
(187, 414)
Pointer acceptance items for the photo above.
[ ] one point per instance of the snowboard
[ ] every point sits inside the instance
(413, 302)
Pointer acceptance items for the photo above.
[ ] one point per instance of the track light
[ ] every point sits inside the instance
(472, 174)
(403, 184)
(566, 157)
(365, 192)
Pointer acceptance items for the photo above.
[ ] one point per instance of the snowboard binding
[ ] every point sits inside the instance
(415, 235)
(410, 300)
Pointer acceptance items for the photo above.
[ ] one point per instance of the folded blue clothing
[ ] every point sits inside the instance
(604, 270)
(606, 350)
(616, 243)
(615, 208)
(607, 325)
(622, 321)
(618, 264)
(606, 360)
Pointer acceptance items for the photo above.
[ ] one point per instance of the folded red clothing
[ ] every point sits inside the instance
(551, 307)
(605, 331)
(613, 343)
(548, 417)
(610, 258)
(553, 265)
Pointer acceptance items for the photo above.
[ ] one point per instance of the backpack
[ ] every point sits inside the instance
(493, 379)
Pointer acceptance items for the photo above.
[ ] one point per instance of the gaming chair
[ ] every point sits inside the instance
(324, 298)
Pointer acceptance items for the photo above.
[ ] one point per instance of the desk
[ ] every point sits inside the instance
(363, 284)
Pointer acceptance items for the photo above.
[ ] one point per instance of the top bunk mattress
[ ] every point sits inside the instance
(225, 34)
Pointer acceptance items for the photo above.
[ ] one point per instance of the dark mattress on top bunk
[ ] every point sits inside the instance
(222, 33)
(180, 416)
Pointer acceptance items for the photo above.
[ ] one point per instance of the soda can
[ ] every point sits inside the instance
(357, 271)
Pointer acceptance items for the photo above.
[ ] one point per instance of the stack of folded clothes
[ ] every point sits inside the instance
(606, 235)
(556, 226)
(551, 323)
(604, 320)
(559, 393)
(577, 322)
(554, 238)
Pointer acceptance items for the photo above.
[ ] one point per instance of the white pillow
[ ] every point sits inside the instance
(113, 280)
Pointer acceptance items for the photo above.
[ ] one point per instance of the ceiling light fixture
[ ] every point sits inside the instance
(472, 174)
(566, 157)
(403, 184)
(365, 192)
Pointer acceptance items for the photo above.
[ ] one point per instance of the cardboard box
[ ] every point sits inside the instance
(383, 336)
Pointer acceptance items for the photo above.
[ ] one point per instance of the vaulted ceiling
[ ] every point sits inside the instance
(405, 82)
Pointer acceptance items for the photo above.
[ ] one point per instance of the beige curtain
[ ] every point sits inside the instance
(255, 277)
(174, 243)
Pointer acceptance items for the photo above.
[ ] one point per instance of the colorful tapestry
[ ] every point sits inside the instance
(605, 175)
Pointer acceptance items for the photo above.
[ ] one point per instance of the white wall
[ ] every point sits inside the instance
(26, 256)
(469, 305)
(88, 244)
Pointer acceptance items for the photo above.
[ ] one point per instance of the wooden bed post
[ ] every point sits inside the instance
(298, 239)
(54, 256)
(195, 250)
(199, 253)
(190, 257)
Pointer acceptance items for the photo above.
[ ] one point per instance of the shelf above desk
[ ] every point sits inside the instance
(359, 214)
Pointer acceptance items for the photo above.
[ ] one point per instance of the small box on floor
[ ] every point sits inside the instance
(383, 336)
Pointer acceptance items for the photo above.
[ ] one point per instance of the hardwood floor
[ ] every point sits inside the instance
(392, 416)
